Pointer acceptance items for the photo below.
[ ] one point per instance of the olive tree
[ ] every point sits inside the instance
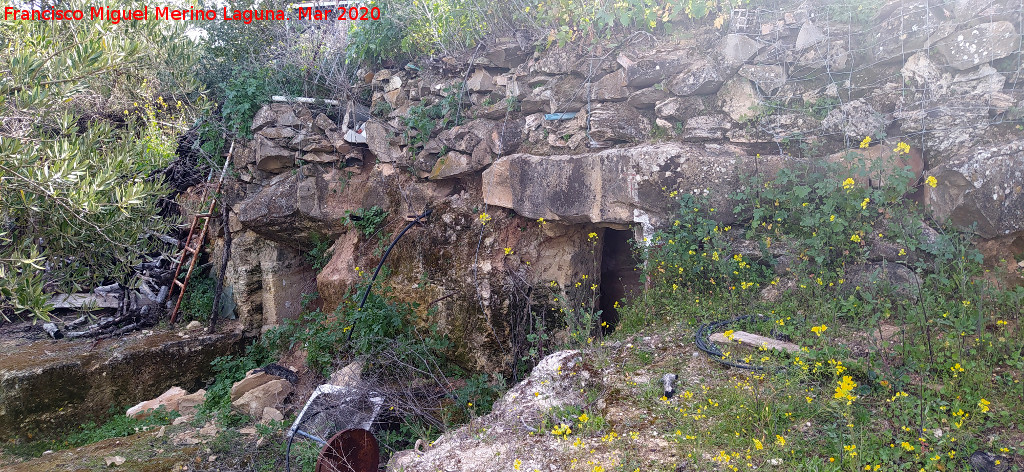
(89, 111)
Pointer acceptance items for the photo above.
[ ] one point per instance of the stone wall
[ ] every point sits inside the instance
(637, 118)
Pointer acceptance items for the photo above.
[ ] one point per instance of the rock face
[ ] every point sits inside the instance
(619, 186)
(981, 44)
(984, 187)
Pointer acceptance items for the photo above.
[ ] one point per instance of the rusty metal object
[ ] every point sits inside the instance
(352, 450)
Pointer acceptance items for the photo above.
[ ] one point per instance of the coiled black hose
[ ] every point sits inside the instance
(705, 344)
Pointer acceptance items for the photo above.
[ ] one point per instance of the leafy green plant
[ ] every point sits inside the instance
(244, 93)
(820, 107)
(320, 254)
(198, 301)
(367, 220)
(381, 109)
(694, 252)
(423, 120)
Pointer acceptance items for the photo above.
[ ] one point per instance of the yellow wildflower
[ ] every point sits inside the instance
(931, 181)
(866, 142)
(846, 385)
(848, 183)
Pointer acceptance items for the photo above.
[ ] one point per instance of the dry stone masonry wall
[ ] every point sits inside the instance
(592, 137)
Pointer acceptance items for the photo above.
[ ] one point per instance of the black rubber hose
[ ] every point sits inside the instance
(705, 344)
(380, 264)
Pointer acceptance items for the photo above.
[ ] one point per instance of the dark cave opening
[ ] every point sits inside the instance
(620, 274)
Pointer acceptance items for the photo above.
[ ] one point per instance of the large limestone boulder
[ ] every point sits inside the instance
(767, 77)
(855, 120)
(679, 109)
(273, 158)
(905, 27)
(654, 68)
(168, 400)
(702, 77)
(611, 87)
(738, 98)
(985, 187)
(459, 164)
(948, 127)
(707, 128)
(506, 52)
(557, 381)
(618, 122)
(983, 43)
(280, 115)
(269, 395)
(620, 186)
(734, 50)
(384, 142)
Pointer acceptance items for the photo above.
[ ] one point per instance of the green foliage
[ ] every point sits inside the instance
(820, 107)
(119, 426)
(198, 302)
(230, 369)
(695, 252)
(423, 120)
(367, 220)
(822, 210)
(381, 109)
(408, 29)
(92, 111)
(320, 254)
(924, 395)
(372, 42)
(480, 392)
(244, 93)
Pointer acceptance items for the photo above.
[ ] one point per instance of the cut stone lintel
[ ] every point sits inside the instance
(755, 341)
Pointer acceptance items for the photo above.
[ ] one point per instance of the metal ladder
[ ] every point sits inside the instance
(195, 239)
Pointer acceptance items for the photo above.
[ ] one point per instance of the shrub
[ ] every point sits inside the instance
(320, 254)
(75, 207)
(367, 220)
(198, 301)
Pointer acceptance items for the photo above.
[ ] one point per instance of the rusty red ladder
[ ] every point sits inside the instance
(195, 239)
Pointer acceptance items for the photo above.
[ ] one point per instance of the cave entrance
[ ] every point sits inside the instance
(620, 277)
